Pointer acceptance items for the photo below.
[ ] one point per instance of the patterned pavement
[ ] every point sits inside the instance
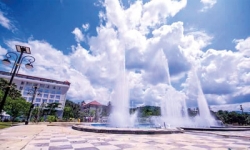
(58, 138)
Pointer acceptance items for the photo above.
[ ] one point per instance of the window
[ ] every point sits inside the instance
(36, 104)
(45, 95)
(35, 84)
(26, 93)
(47, 86)
(54, 87)
(39, 95)
(30, 99)
(28, 83)
(52, 96)
(42, 85)
(20, 88)
(51, 100)
(57, 96)
(38, 99)
(46, 91)
(57, 101)
(44, 100)
(25, 98)
(58, 92)
(53, 92)
(22, 83)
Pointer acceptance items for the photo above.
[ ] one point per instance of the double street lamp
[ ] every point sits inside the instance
(18, 61)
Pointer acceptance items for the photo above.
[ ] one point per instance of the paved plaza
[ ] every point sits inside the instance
(42, 137)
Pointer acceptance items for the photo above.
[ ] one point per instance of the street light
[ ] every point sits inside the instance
(16, 67)
(33, 91)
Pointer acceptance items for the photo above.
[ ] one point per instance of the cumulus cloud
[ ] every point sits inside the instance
(5, 22)
(152, 62)
(207, 4)
(78, 35)
(243, 45)
(85, 27)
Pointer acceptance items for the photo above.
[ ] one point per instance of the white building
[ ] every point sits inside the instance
(49, 91)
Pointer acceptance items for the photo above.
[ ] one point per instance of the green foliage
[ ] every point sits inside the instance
(71, 110)
(233, 117)
(16, 107)
(92, 113)
(51, 118)
(50, 109)
(147, 111)
(13, 93)
(67, 113)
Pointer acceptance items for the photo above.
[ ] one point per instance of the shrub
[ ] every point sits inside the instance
(51, 118)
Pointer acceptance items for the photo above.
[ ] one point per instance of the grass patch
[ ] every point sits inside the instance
(5, 124)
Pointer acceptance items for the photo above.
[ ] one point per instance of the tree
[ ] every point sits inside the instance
(75, 108)
(50, 109)
(13, 93)
(67, 113)
(16, 107)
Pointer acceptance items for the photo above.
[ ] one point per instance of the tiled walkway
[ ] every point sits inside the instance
(57, 138)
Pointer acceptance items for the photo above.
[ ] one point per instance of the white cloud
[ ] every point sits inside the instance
(85, 27)
(243, 45)
(3, 51)
(223, 73)
(5, 22)
(78, 35)
(208, 4)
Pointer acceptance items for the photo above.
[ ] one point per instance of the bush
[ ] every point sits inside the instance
(51, 118)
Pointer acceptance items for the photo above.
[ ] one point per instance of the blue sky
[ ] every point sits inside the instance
(83, 40)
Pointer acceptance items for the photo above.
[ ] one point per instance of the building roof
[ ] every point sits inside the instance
(95, 103)
(36, 78)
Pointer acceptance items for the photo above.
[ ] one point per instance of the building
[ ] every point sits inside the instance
(49, 91)
(94, 109)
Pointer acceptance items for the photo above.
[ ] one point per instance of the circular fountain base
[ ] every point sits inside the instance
(89, 128)
(216, 129)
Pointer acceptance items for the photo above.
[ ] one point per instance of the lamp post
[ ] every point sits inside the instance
(34, 90)
(16, 67)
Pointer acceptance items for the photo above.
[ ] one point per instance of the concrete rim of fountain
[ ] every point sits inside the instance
(89, 128)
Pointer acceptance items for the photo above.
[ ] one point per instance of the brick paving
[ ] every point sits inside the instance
(42, 137)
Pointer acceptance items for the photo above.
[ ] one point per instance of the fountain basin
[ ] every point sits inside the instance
(113, 130)
(216, 129)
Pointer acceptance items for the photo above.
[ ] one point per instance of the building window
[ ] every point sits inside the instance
(57, 96)
(38, 99)
(45, 95)
(28, 83)
(20, 88)
(52, 96)
(47, 86)
(46, 91)
(22, 83)
(42, 85)
(39, 95)
(56, 101)
(54, 87)
(26, 93)
(53, 92)
(51, 101)
(44, 100)
(58, 92)
(30, 99)
(35, 84)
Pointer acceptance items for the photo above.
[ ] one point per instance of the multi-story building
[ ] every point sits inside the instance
(49, 91)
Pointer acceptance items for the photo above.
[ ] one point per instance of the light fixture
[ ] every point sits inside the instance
(6, 61)
(28, 66)
(23, 49)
